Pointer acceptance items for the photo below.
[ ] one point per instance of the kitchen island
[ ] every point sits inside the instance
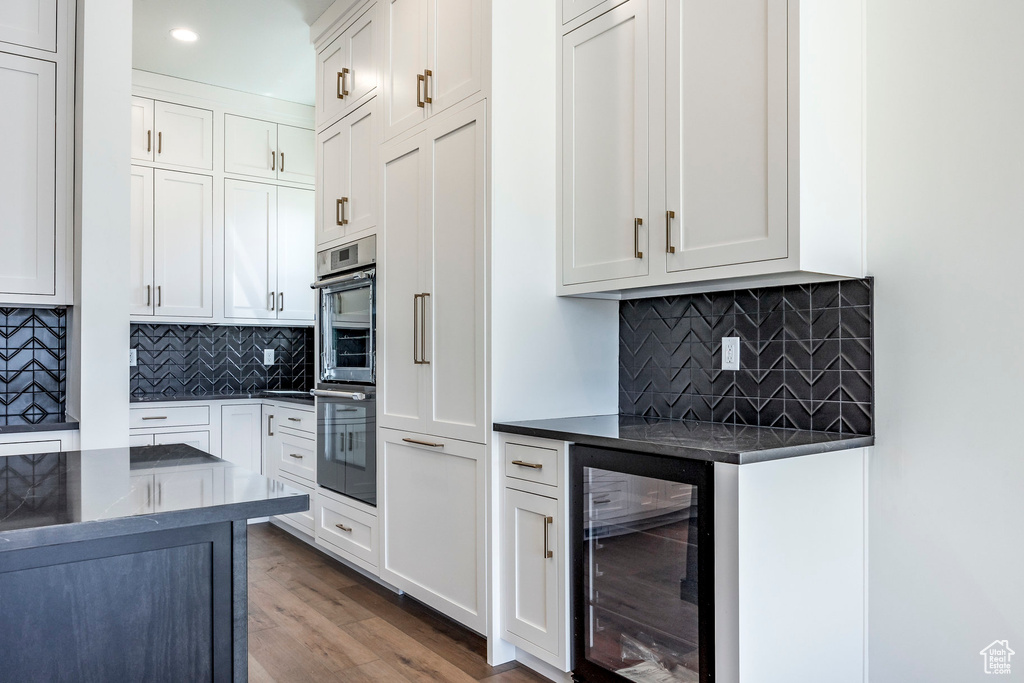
(128, 564)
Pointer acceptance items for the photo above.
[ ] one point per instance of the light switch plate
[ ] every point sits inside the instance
(730, 353)
(133, 358)
(268, 356)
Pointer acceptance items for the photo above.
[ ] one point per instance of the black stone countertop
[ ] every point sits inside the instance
(731, 444)
(300, 397)
(48, 426)
(57, 498)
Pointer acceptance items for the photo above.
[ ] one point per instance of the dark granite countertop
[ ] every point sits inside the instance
(731, 444)
(80, 495)
(300, 397)
(48, 426)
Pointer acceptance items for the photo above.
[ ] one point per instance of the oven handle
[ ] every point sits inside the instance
(354, 395)
(343, 278)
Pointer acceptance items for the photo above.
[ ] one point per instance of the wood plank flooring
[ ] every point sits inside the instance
(312, 619)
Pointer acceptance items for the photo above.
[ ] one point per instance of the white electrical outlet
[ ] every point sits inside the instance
(730, 353)
(133, 358)
(268, 356)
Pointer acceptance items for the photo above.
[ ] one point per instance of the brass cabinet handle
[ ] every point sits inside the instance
(282, 162)
(669, 215)
(347, 529)
(548, 521)
(341, 85)
(149, 141)
(523, 463)
(280, 302)
(159, 295)
(342, 74)
(160, 142)
(423, 329)
(270, 426)
(161, 417)
(270, 304)
(295, 419)
(149, 295)
(427, 73)
(273, 161)
(637, 222)
(295, 455)
(339, 210)
(424, 443)
(419, 97)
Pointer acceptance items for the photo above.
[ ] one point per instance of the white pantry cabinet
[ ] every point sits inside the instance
(433, 351)
(433, 58)
(268, 150)
(432, 516)
(29, 23)
(347, 175)
(172, 134)
(348, 68)
(171, 244)
(268, 247)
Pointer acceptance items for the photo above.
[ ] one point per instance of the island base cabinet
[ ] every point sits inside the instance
(433, 522)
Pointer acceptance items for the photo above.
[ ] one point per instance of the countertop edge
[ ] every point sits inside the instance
(297, 400)
(69, 426)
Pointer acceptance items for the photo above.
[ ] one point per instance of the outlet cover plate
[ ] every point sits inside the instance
(133, 358)
(730, 353)
(268, 356)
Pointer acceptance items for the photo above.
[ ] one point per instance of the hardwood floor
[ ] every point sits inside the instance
(312, 619)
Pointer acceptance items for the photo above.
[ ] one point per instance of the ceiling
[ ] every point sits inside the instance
(256, 46)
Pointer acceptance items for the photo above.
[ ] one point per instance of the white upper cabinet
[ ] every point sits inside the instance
(28, 176)
(574, 8)
(172, 134)
(268, 150)
(296, 217)
(142, 129)
(348, 69)
(433, 58)
(29, 23)
(140, 295)
(296, 152)
(605, 129)
(347, 177)
(726, 147)
(183, 244)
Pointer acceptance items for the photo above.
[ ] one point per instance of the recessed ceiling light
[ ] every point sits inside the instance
(184, 35)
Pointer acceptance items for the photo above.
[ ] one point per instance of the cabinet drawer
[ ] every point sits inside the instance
(295, 456)
(301, 520)
(292, 418)
(341, 527)
(531, 463)
(176, 416)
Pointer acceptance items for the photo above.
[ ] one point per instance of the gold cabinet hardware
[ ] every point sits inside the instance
(160, 143)
(149, 295)
(423, 328)
(344, 528)
(159, 295)
(295, 419)
(637, 222)
(295, 455)
(669, 215)
(280, 302)
(161, 417)
(424, 443)
(419, 95)
(270, 304)
(340, 211)
(532, 465)
(548, 521)
(273, 161)
(149, 141)
(282, 162)
(342, 90)
(427, 74)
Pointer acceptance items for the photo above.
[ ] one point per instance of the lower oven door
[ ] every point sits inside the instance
(347, 330)
(347, 441)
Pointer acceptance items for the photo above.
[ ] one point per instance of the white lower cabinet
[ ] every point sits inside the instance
(346, 530)
(240, 435)
(31, 444)
(197, 439)
(158, 492)
(301, 521)
(433, 522)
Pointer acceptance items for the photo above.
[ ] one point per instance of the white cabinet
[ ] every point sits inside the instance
(160, 492)
(268, 252)
(433, 523)
(346, 530)
(347, 178)
(574, 8)
(433, 367)
(434, 58)
(172, 134)
(196, 439)
(605, 127)
(348, 69)
(171, 244)
(241, 434)
(31, 447)
(28, 175)
(268, 150)
(29, 23)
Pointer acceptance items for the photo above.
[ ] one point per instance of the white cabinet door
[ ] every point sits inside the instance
(135, 440)
(533, 565)
(28, 228)
(184, 490)
(241, 433)
(296, 154)
(348, 168)
(250, 147)
(433, 518)
(29, 23)
(296, 217)
(456, 307)
(141, 240)
(454, 34)
(348, 69)
(726, 127)
(142, 129)
(197, 439)
(250, 250)
(183, 244)
(605, 128)
(31, 447)
(574, 8)
(406, 60)
(142, 494)
(184, 135)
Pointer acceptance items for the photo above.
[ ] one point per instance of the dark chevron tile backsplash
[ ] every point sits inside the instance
(805, 357)
(205, 360)
(33, 365)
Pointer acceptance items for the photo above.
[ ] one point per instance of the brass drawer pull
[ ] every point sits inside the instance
(669, 215)
(295, 419)
(523, 463)
(347, 529)
(149, 141)
(273, 161)
(160, 142)
(637, 222)
(419, 97)
(295, 455)
(548, 521)
(340, 212)
(427, 74)
(162, 417)
(341, 83)
(282, 162)
(424, 443)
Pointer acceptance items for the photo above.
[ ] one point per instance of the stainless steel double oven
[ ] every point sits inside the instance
(346, 406)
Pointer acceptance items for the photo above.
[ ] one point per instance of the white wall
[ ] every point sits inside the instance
(945, 189)
(98, 358)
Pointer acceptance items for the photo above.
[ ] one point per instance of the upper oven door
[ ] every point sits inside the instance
(347, 322)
